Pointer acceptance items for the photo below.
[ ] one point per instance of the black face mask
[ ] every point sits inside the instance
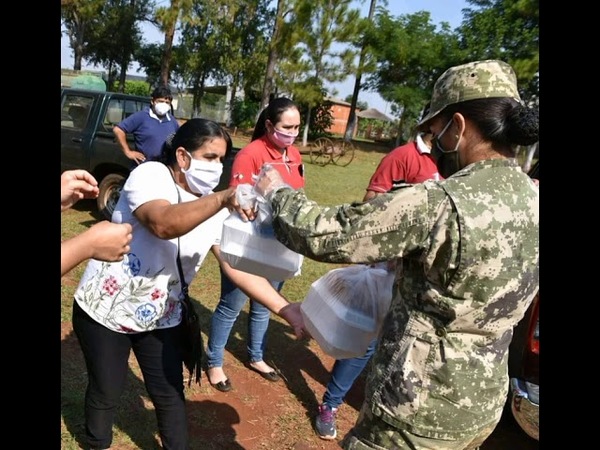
(446, 162)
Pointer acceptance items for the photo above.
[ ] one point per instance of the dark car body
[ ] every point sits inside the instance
(524, 363)
(88, 142)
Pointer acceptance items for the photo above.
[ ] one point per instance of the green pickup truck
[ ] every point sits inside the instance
(87, 141)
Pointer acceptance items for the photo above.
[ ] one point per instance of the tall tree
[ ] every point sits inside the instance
(351, 124)
(149, 58)
(77, 17)
(323, 27)
(244, 46)
(411, 53)
(167, 19)
(119, 21)
(506, 30)
(206, 44)
(280, 40)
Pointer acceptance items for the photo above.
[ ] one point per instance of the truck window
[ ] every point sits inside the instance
(119, 109)
(132, 106)
(114, 114)
(75, 111)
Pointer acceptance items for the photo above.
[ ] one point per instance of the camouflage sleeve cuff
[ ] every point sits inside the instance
(271, 194)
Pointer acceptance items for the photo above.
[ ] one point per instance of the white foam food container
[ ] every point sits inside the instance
(252, 247)
(345, 315)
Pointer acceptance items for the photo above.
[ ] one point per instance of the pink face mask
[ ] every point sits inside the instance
(283, 139)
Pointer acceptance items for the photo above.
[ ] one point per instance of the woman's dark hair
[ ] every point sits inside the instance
(502, 121)
(192, 135)
(272, 112)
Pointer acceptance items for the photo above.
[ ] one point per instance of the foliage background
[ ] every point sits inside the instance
(266, 48)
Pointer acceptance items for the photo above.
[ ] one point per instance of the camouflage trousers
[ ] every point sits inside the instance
(372, 433)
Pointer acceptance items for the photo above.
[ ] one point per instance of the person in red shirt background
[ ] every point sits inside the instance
(410, 163)
(276, 129)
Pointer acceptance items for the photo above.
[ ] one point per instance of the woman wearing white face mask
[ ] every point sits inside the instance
(135, 304)
(272, 142)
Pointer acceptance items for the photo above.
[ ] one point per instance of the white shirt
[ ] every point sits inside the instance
(142, 292)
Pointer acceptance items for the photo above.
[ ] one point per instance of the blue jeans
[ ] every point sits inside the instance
(230, 304)
(343, 374)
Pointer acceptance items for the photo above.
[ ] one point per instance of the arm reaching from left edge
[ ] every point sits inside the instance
(259, 289)
(105, 241)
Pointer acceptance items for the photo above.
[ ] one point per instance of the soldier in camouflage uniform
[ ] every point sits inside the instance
(469, 247)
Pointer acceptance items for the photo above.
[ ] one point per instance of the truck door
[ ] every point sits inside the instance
(111, 166)
(105, 149)
(75, 130)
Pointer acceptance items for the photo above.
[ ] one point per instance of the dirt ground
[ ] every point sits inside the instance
(256, 414)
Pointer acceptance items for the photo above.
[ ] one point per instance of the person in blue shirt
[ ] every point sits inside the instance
(150, 127)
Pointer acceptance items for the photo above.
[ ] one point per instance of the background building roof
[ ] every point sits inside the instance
(373, 113)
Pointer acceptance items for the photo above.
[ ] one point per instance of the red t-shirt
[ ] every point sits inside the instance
(251, 158)
(404, 164)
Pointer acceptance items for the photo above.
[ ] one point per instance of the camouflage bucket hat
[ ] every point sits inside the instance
(479, 79)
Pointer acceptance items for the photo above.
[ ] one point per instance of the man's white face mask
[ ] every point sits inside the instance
(161, 108)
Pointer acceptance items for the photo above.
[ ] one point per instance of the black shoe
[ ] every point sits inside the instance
(223, 386)
(271, 376)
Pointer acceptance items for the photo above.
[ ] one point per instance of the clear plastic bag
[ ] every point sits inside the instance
(344, 309)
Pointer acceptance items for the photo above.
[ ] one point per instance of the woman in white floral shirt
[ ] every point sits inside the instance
(135, 304)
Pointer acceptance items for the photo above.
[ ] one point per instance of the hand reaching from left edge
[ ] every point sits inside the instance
(104, 241)
(75, 185)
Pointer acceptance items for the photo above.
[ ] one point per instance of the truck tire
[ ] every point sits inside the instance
(110, 190)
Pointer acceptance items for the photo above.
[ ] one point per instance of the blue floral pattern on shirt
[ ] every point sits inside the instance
(125, 295)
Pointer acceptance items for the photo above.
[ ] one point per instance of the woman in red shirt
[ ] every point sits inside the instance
(272, 142)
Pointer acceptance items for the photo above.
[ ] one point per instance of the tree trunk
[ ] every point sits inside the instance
(305, 133)
(77, 45)
(351, 124)
(198, 94)
(272, 60)
(167, 55)
(77, 61)
(170, 25)
(123, 76)
(231, 101)
(268, 84)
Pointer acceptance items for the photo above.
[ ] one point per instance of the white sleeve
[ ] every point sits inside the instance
(149, 181)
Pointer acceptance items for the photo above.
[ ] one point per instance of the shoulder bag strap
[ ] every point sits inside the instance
(184, 285)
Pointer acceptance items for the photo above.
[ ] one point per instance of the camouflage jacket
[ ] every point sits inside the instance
(469, 247)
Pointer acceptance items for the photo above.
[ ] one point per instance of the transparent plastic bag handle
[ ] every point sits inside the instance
(265, 213)
(248, 198)
(245, 196)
